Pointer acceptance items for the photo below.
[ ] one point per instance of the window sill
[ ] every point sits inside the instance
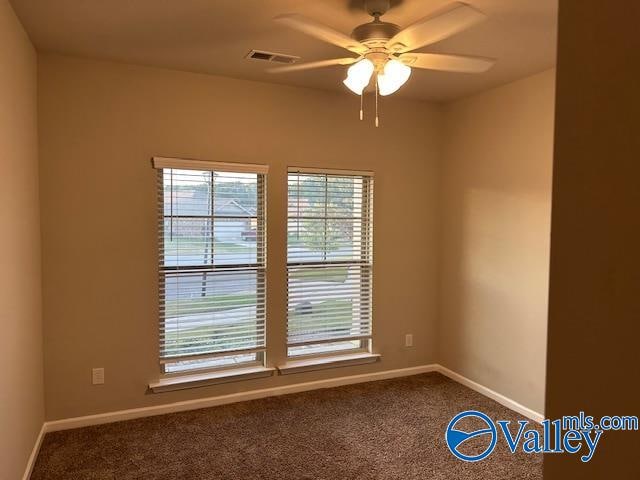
(320, 363)
(168, 384)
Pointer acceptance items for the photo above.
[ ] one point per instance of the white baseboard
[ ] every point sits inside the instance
(121, 415)
(34, 453)
(493, 395)
(118, 416)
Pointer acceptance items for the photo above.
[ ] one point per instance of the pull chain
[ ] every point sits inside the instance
(377, 122)
(361, 111)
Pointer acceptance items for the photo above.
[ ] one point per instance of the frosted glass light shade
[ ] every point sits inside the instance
(359, 75)
(394, 75)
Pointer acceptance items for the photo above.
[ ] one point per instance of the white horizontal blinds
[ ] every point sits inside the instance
(212, 264)
(329, 256)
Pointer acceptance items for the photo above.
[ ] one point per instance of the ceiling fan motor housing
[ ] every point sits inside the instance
(375, 34)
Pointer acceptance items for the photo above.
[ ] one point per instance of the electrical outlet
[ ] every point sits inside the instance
(408, 340)
(98, 376)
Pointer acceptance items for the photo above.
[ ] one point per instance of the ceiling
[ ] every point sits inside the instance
(213, 36)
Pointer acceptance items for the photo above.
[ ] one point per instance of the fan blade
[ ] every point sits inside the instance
(320, 31)
(310, 65)
(435, 27)
(447, 63)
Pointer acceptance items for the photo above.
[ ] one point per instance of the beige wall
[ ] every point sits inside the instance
(21, 393)
(594, 300)
(101, 123)
(495, 211)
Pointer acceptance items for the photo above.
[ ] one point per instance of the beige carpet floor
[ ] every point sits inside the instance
(391, 429)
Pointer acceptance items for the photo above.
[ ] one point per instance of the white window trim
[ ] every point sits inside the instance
(181, 382)
(321, 363)
(191, 164)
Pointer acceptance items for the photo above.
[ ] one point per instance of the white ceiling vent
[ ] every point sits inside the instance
(272, 57)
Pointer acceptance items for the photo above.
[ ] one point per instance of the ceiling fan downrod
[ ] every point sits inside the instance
(377, 8)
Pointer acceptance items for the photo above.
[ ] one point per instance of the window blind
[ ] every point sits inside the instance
(329, 260)
(212, 263)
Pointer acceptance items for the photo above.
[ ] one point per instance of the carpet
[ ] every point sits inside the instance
(389, 429)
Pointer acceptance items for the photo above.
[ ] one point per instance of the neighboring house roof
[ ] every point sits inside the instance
(232, 207)
(185, 203)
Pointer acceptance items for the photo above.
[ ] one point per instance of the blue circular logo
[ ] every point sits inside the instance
(455, 438)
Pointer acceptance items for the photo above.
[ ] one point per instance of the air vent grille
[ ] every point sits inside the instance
(272, 57)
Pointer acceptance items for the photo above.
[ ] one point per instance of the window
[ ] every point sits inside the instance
(212, 264)
(329, 261)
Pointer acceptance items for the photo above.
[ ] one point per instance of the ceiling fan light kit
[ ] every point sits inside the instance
(383, 47)
(359, 75)
(393, 76)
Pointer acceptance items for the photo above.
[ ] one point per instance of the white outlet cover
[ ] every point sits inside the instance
(98, 376)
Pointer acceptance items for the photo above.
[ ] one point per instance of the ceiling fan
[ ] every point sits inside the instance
(385, 51)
